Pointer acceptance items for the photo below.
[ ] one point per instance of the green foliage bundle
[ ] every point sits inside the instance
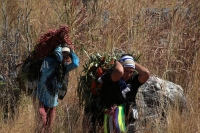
(88, 87)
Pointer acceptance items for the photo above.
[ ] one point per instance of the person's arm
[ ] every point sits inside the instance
(143, 73)
(117, 72)
(57, 54)
(75, 62)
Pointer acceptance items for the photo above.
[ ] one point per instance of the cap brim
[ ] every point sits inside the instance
(66, 52)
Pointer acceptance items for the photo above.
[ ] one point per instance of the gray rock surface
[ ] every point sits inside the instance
(157, 94)
(154, 99)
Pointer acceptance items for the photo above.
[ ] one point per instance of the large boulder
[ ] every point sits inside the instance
(156, 96)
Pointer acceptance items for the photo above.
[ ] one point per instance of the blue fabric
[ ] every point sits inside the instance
(122, 84)
(116, 120)
(74, 64)
(48, 85)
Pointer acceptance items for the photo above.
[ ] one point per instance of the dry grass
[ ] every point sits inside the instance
(169, 46)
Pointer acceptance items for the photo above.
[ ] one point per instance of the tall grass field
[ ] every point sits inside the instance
(165, 33)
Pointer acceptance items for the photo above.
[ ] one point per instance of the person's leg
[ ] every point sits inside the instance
(42, 117)
(51, 113)
(90, 118)
(100, 121)
(88, 123)
(132, 117)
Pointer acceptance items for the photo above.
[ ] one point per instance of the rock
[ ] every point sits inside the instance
(153, 101)
(166, 14)
(157, 93)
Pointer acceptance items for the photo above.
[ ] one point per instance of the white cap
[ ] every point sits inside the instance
(65, 49)
(127, 61)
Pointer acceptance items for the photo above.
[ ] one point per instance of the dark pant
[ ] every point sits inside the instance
(93, 119)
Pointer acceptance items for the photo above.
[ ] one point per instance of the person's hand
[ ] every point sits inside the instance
(71, 47)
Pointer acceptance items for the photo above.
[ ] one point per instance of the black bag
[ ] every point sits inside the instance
(63, 91)
(32, 69)
(60, 71)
